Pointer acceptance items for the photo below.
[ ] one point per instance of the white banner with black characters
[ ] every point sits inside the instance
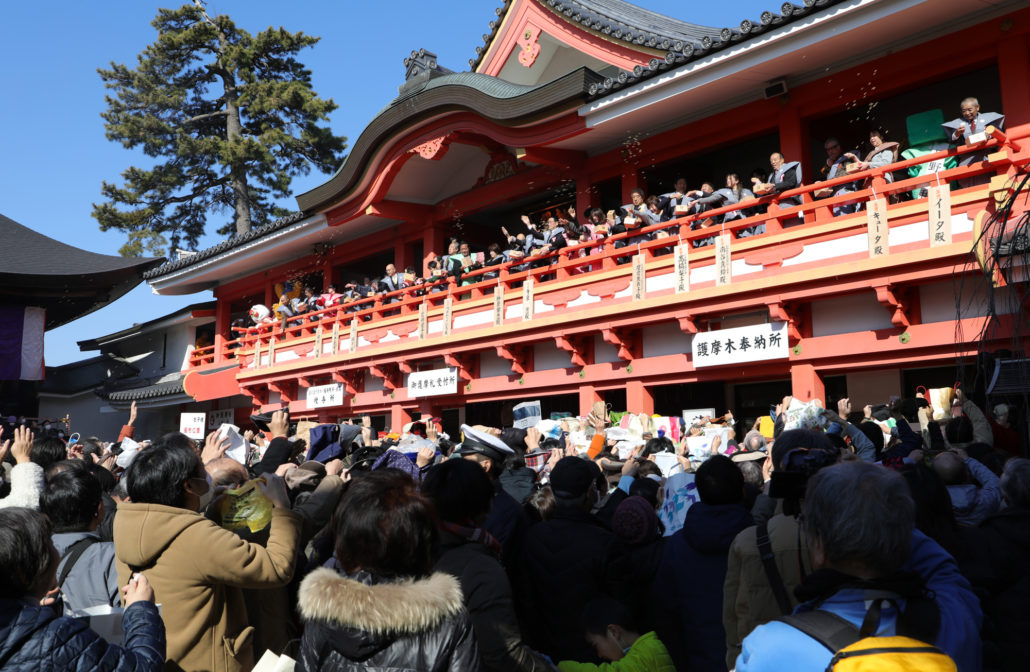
(432, 383)
(743, 344)
(324, 396)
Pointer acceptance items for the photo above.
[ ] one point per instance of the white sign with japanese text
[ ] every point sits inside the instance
(682, 269)
(527, 299)
(432, 383)
(323, 396)
(876, 218)
(193, 424)
(639, 277)
(756, 343)
(939, 204)
(216, 419)
(723, 260)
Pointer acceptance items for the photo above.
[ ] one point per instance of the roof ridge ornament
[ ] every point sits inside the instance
(419, 68)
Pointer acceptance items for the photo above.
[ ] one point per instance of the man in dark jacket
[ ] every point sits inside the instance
(507, 521)
(564, 564)
(72, 501)
(1001, 574)
(34, 638)
(688, 586)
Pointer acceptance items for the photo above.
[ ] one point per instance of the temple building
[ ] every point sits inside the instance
(880, 279)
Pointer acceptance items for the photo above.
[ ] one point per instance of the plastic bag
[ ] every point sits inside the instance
(245, 507)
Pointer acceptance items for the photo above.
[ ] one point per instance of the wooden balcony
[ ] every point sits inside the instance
(605, 292)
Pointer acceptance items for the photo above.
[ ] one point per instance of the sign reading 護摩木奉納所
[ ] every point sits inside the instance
(755, 343)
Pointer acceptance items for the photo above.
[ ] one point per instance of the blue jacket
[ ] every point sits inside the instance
(778, 646)
(35, 639)
(688, 587)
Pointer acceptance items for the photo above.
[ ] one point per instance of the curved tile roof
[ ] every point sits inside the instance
(617, 19)
(725, 37)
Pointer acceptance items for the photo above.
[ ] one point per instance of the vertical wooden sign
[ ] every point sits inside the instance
(498, 306)
(527, 299)
(448, 306)
(257, 355)
(939, 205)
(336, 338)
(723, 260)
(876, 219)
(639, 278)
(353, 335)
(682, 269)
(423, 321)
(271, 352)
(318, 341)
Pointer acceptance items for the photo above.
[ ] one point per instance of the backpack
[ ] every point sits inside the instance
(857, 650)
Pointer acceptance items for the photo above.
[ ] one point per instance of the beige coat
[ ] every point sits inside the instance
(748, 599)
(198, 571)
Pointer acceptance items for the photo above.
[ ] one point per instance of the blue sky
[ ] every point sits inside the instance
(53, 149)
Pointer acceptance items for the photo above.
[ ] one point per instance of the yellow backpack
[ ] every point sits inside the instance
(855, 652)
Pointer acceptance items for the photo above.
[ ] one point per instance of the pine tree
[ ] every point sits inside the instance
(229, 118)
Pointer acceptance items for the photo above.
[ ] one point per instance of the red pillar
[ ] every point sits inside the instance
(1014, 73)
(630, 181)
(588, 395)
(398, 418)
(586, 196)
(806, 383)
(639, 398)
(221, 327)
(792, 144)
(434, 240)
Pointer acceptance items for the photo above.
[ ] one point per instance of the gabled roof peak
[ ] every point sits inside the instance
(419, 68)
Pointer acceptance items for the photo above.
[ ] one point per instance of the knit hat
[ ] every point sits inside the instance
(635, 521)
(572, 476)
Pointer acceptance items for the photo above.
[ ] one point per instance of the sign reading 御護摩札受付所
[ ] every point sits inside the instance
(432, 383)
(755, 343)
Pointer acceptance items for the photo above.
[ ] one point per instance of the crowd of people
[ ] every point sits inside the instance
(653, 544)
(532, 244)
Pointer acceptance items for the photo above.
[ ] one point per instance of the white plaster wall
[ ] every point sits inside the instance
(546, 355)
(373, 384)
(492, 365)
(937, 301)
(664, 339)
(849, 313)
(604, 352)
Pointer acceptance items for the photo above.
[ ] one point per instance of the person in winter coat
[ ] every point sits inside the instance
(198, 569)
(1001, 575)
(874, 570)
(26, 477)
(634, 558)
(461, 493)
(612, 632)
(33, 638)
(974, 490)
(73, 503)
(564, 564)
(688, 588)
(378, 605)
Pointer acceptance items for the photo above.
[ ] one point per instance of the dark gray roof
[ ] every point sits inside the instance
(166, 389)
(618, 20)
(69, 282)
(85, 374)
(724, 38)
(223, 246)
(95, 343)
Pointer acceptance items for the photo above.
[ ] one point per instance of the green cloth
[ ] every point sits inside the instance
(647, 654)
(616, 417)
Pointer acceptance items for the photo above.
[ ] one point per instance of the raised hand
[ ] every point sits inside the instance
(138, 590)
(214, 447)
(279, 424)
(132, 413)
(22, 447)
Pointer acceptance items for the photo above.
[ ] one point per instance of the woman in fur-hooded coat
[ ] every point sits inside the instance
(378, 606)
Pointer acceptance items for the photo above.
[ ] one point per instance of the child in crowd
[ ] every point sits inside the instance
(609, 628)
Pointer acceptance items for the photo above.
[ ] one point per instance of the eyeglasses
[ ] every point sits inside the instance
(829, 147)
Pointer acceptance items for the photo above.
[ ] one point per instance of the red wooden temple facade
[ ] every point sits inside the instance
(569, 103)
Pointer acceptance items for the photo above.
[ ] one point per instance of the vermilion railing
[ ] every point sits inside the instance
(608, 253)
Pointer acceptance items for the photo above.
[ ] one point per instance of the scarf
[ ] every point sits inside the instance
(473, 534)
(920, 619)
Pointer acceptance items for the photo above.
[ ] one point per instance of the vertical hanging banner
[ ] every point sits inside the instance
(448, 307)
(256, 362)
(336, 338)
(723, 260)
(353, 335)
(639, 278)
(498, 306)
(682, 269)
(876, 217)
(318, 341)
(527, 299)
(271, 351)
(423, 321)
(939, 204)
